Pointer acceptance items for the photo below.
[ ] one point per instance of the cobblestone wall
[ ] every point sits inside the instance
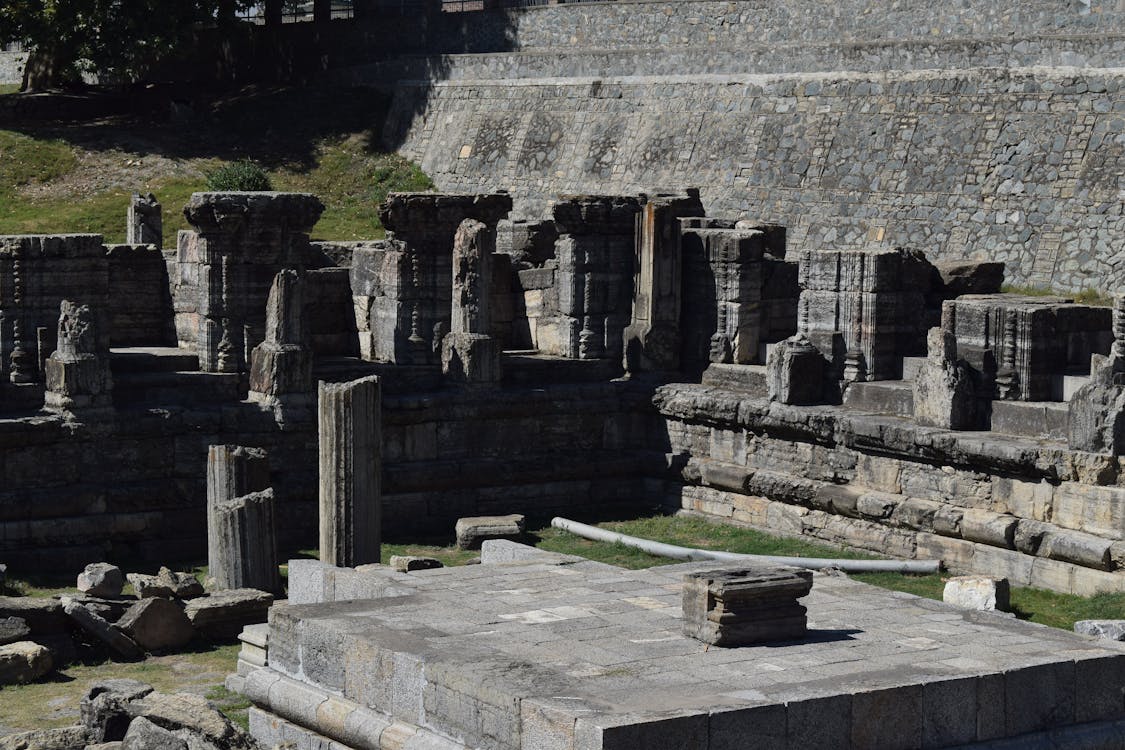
(11, 67)
(1019, 165)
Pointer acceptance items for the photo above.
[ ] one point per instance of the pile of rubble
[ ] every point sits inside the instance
(167, 611)
(130, 715)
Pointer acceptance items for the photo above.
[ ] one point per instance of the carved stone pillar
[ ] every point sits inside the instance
(281, 366)
(77, 373)
(241, 531)
(469, 353)
(144, 222)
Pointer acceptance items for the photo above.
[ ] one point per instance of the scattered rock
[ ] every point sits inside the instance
(156, 624)
(13, 629)
(475, 529)
(977, 592)
(24, 661)
(104, 708)
(407, 563)
(101, 579)
(107, 609)
(166, 584)
(190, 712)
(1110, 630)
(117, 641)
(66, 738)
(105, 746)
(223, 614)
(144, 735)
(49, 625)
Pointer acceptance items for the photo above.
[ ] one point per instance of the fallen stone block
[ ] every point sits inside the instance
(166, 584)
(1110, 630)
(104, 708)
(194, 713)
(65, 738)
(13, 629)
(737, 606)
(407, 563)
(117, 641)
(110, 610)
(49, 625)
(223, 614)
(24, 661)
(156, 624)
(970, 277)
(105, 746)
(472, 531)
(145, 735)
(101, 579)
(978, 592)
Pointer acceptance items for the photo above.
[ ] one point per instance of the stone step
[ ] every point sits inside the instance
(137, 359)
(525, 368)
(131, 389)
(894, 397)
(1036, 419)
(910, 367)
(750, 378)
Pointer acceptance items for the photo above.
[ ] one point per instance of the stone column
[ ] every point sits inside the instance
(144, 223)
(351, 466)
(652, 340)
(413, 312)
(469, 353)
(242, 240)
(944, 392)
(77, 373)
(1096, 412)
(241, 532)
(281, 366)
(595, 252)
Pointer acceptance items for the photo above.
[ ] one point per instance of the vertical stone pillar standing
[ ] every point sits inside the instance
(412, 315)
(1096, 412)
(281, 366)
(77, 373)
(351, 467)
(595, 251)
(241, 528)
(144, 223)
(944, 391)
(652, 339)
(469, 354)
(242, 240)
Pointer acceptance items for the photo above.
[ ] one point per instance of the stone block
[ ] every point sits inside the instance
(156, 625)
(470, 358)
(13, 629)
(408, 563)
(24, 661)
(1039, 697)
(977, 592)
(167, 584)
(474, 530)
(64, 738)
(223, 614)
(889, 718)
(949, 713)
(118, 642)
(101, 579)
(795, 372)
(738, 606)
(1110, 630)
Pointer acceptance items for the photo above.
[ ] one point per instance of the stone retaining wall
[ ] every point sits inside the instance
(11, 66)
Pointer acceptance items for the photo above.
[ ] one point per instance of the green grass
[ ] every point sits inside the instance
(234, 706)
(25, 159)
(9, 88)
(1086, 296)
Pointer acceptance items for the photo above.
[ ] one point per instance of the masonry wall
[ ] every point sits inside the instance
(11, 66)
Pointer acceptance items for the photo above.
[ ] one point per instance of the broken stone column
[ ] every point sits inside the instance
(595, 252)
(411, 313)
(740, 606)
(241, 241)
(795, 371)
(281, 366)
(351, 465)
(652, 339)
(241, 530)
(1096, 412)
(77, 373)
(944, 390)
(469, 354)
(864, 309)
(144, 223)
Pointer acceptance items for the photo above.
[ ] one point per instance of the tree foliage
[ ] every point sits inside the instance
(119, 39)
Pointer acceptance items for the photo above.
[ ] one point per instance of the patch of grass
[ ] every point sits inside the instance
(24, 159)
(9, 88)
(1088, 296)
(53, 701)
(234, 706)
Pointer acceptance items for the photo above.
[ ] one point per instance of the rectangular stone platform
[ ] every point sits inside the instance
(535, 650)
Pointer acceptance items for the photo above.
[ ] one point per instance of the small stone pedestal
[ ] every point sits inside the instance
(77, 373)
(739, 606)
(795, 372)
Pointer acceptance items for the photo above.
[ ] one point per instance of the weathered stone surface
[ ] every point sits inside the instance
(101, 579)
(156, 624)
(64, 738)
(13, 629)
(1110, 630)
(1096, 412)
(473, 531)
(167, 584)
(77, 373)
(107, 609)
(105, 711)
(193, 713)
(281, 366)
(145, 735)
(144, 224)
(351, 461)
(737, 606)
(117, 641)
(977, 592)
(795, 372)
(223, 614)
(241, 534)
(24, 661)
(407, 563)
(970, 277)
(944, 392)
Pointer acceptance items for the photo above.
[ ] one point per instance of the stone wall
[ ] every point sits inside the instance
(11, 66)
(140, 308)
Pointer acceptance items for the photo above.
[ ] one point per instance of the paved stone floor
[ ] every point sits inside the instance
(578, 654)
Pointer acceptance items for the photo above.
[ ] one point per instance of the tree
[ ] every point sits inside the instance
(119, 39)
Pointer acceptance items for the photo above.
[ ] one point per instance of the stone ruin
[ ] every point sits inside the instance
(224, 394)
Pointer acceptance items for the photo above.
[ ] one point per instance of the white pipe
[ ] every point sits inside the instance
(690, 553)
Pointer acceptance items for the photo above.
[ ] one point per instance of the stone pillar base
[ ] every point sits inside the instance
(470, 358)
